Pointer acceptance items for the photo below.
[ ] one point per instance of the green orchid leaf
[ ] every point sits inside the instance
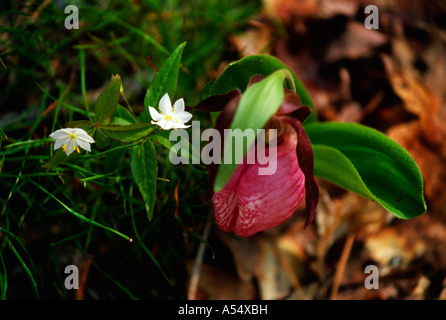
(261, 99)
(164, 81)
(107, 101)
(144, 168)
(238, 74)
(366, 161)
(127, 133)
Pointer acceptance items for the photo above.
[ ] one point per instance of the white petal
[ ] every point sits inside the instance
(156, 116)
(70, 147)
(84, 145)
(60, 142)
(59, 134)
(85, 137)
(183, 116)
(69, 131)
(161, 123)
(82, 134)
(178, 106)
(165, 104)
(171, 124)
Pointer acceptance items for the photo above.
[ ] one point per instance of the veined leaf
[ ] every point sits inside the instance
(108, 101)
(82, 124)
(101, 140)
(367, 162)
(127, 133)
(261, 99)
(144, 168)
(164, 81)
(123, 115)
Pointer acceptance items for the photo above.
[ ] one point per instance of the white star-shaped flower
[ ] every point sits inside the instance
(71, 139)
(170, 117)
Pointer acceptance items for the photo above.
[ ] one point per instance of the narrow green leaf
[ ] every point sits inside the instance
(238, 74)
(78, 215)
(367, 162)
(31, 272)
(164, 81)
(128, 133)
(144, 168)
(107, 101)
(257, 105)
(140, 240)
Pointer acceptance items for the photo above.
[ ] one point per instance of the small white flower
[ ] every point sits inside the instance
(170, 117)
(71, 139)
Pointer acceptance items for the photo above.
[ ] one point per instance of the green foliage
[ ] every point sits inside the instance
(128, 132)
(164, 81)
(107, 101)
(369, 163)
(145, 169)
(50, 79)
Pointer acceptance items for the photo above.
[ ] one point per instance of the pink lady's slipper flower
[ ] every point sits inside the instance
(250, 202)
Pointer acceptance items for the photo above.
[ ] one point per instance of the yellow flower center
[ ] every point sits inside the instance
(168, 117)
(73, 136)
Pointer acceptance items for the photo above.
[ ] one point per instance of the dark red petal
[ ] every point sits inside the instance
(306, 162)
(291, 105)
(254, 79)
(302, 113)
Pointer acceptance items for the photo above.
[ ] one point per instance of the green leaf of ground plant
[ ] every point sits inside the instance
(144, 168)
(262, 99)
(162, 137)
(238, 74)
(128, 133)
(367, 162)
(58, 158)
(164, 81)
(108, 101)
(124, 115)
